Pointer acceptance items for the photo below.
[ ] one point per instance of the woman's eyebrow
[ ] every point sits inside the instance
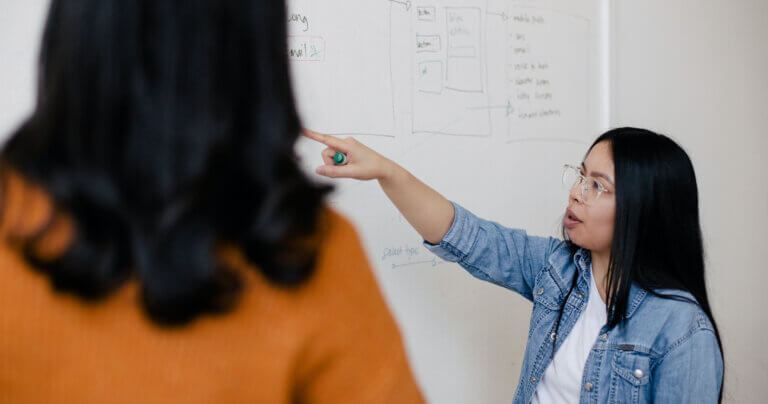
(596, 173)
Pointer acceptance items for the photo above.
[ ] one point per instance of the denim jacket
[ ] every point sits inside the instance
(666, 350)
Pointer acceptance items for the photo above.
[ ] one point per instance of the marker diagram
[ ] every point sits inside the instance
(449, 75)
(402, 67)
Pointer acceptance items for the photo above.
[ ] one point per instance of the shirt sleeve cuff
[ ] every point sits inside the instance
(461, 237)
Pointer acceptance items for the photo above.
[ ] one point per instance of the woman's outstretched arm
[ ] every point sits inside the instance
(424, 208)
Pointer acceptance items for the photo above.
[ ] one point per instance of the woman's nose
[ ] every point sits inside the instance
(575, 194)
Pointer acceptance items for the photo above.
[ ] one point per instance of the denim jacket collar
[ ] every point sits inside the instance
(583, 260)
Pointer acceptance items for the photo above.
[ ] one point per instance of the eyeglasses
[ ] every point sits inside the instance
(590, 187)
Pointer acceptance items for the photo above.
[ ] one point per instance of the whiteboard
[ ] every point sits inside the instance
(484, 101)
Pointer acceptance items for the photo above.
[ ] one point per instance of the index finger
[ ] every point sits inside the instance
(335, 143)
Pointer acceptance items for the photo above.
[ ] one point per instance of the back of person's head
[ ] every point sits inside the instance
(163, 129)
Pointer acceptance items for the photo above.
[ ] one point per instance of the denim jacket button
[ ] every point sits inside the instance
(638, 374)
(588, 386)
(553, 336)
(581, 295)
(540, 291)
(603, 337)
(533, 380)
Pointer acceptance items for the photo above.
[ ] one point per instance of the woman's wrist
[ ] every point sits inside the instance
(389, 170)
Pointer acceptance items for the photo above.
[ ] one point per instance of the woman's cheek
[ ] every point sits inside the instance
(606, 230)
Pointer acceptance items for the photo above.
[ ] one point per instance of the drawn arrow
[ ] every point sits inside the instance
(406, 3)
(508, 108)
(503, 16)
(433, 261)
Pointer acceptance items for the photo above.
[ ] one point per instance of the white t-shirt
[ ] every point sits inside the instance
(561, 382)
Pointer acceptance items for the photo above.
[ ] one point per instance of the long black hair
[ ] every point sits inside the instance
(657, 240)
(164, 129)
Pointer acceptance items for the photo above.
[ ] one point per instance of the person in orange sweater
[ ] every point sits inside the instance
(158, 241)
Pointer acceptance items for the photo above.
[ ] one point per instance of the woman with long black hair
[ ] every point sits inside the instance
(620, 311)
(158, 241)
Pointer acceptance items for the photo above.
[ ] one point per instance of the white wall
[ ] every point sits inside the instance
(698, 71)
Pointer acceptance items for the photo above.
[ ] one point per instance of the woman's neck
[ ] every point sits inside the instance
(600, 262)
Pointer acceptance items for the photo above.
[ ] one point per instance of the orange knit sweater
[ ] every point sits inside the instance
(332, 340)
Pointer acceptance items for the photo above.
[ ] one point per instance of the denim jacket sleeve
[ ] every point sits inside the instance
(507, 257)
(691, 372)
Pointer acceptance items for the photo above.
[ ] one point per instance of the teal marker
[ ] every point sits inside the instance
(339, 159)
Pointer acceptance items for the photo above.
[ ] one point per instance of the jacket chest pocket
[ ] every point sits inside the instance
(546, 301)
(630, 377)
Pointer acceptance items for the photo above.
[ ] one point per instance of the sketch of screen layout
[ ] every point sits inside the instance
(449, 81)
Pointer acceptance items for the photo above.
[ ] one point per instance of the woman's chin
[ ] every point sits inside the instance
(573, 237)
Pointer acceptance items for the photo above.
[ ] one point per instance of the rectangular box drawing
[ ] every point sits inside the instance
(430, 77)
(426, 13)
(427, 43)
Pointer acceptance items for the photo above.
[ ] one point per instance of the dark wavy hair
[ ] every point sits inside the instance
(657, 240)
(164, 129)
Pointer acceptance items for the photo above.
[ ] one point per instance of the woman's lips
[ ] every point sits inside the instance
(570, 221)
